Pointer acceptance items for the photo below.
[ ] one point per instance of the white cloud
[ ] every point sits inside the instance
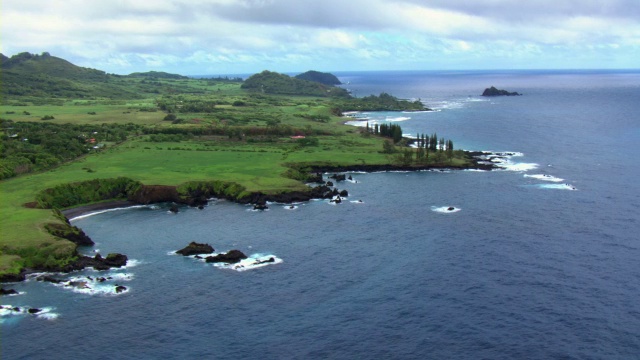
(192, 36)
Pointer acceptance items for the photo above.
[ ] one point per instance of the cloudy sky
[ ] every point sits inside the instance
(197, 37)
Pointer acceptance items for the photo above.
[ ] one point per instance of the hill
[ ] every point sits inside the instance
(157, 75)
(320, 77)
(270, 82)
(47, 76)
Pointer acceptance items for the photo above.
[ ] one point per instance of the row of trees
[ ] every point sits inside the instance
(392, 131)
(432, 144)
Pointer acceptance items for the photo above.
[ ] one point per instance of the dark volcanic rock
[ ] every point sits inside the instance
(232, 257)
(174, 209)
(492, 91)
(316, 178)
(99, 263)
(33, 311)
(71, 233)
(116, 260)
(149, 194)
(195, 248)
(4, 291)
(12, 278)
(344, 193)
(260, 207)
(120, 288)
(338, 177)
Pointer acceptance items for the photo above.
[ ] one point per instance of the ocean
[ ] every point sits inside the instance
(539, 260)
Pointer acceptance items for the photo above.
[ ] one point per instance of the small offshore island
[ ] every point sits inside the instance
(78, 139)
(493, 91)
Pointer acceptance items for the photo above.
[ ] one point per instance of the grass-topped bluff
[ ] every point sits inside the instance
(74, 136)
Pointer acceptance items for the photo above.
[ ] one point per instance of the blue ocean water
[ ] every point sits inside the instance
(527, 268)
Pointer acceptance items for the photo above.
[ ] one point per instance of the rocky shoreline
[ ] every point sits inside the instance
(150, 194)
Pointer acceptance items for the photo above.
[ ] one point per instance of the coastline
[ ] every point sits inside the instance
(158, 194)
(259, 197)
(73, 212)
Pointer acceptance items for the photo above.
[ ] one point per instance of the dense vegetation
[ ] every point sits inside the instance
(269, 82)
(157, 75)
(66, 195)
(320, 77)
(31, 146)
(382, 102)
(29, 79)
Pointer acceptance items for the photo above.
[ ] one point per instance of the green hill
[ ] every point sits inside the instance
(47, 76)
(321, 77)
(270, 82)
(157, 75)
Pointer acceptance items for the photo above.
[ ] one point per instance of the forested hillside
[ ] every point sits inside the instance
(320, 77)
(269, 82)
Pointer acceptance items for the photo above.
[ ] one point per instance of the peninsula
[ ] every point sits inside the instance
(74, 136)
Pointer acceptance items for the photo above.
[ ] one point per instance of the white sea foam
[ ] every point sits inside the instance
(254, 261)
(445, 209)
(357, 202)
(106, 211)
(132, 263)
(361, 123)
(47, 314)
(519, 166)
(504, 160)
(396, 119)
(8, 311)
(290, 207)
(557, 186)
(105, 284)
(544, 177)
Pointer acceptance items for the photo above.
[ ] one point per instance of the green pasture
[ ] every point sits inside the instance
(86, 112)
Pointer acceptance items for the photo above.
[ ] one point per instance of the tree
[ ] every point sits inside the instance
(388, 147)
(397, 133)
(420, 153)
(433, 142)
(407, 157)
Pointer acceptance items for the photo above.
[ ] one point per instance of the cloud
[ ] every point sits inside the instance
(192, 36)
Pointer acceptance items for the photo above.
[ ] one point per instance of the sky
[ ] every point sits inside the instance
(208, 37)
